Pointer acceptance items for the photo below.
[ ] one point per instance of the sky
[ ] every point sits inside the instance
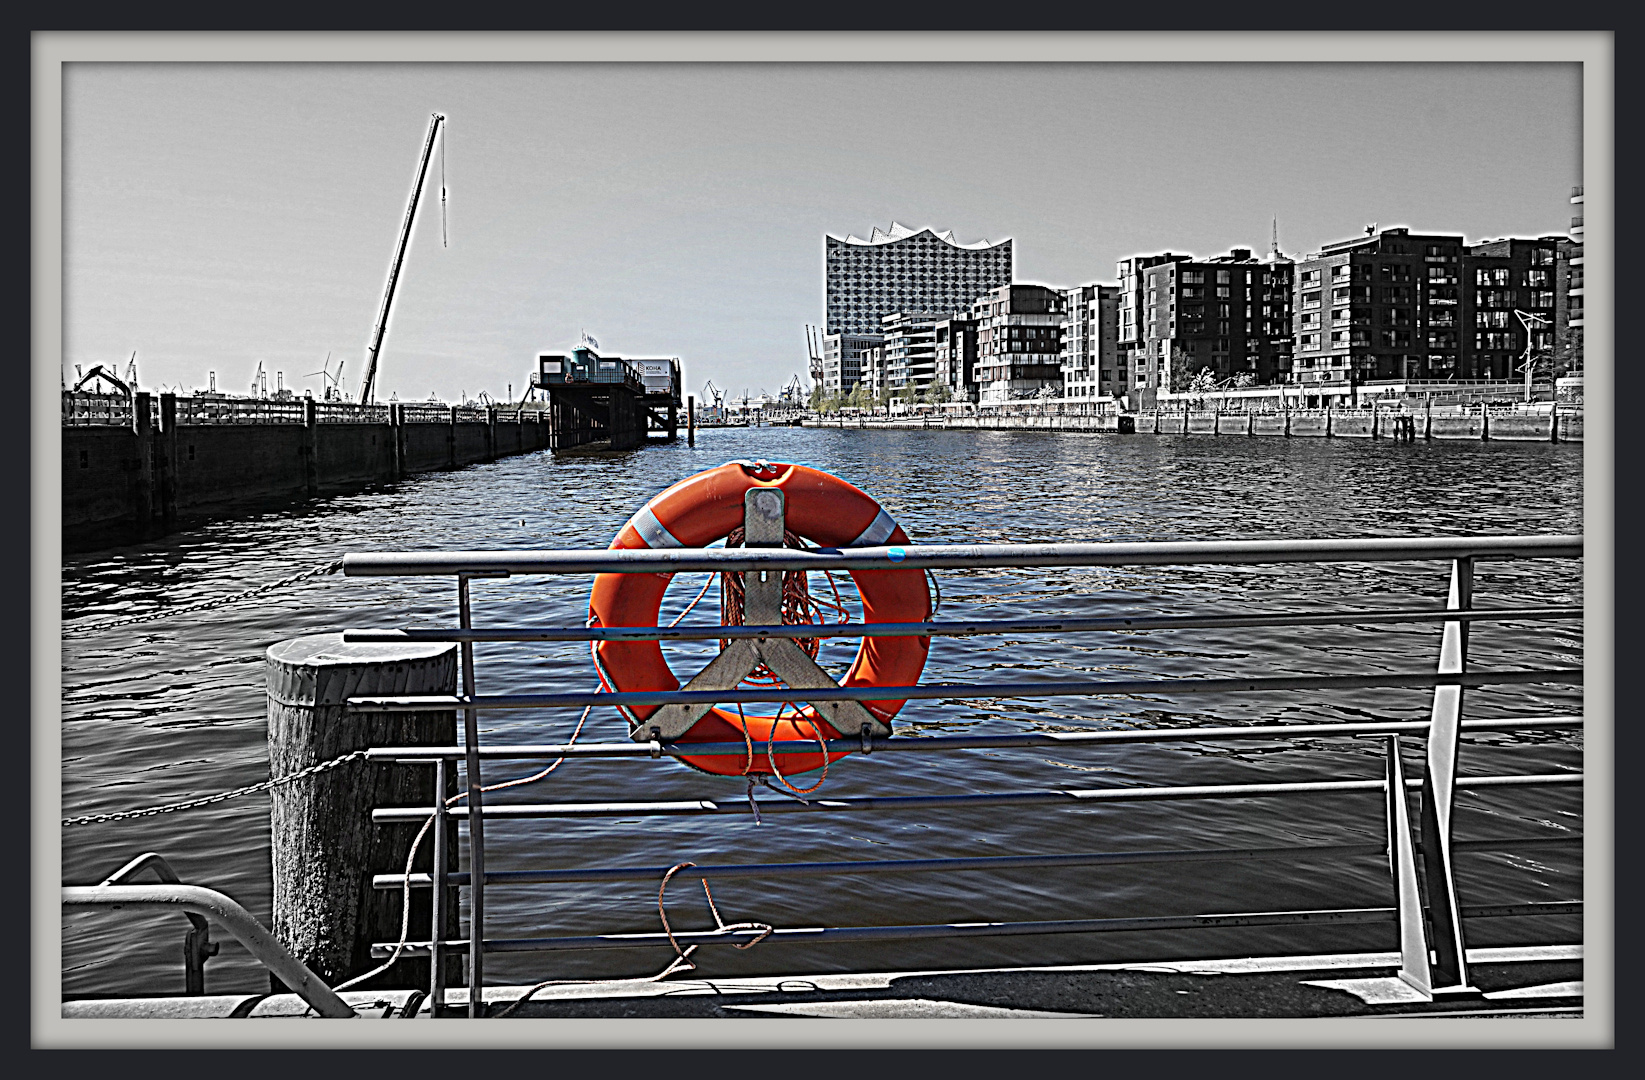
(218, 216)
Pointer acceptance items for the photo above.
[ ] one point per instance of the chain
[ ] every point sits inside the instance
(205, 605)
(266, 785)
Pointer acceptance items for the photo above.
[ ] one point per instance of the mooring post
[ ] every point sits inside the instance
(142, 425)
(397, 441)
(325, 846)
(451, 440)
(165, 462)
(311, 442)
(691, 420)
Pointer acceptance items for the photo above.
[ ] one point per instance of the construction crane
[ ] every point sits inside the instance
(1528, 362)
(131, 372)
(259, 382)
(368, 383)
(712, 393)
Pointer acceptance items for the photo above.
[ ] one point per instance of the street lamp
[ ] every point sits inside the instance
(1529, 320)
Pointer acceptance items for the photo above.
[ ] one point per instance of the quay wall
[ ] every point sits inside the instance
(1397, 425)
(137, 480)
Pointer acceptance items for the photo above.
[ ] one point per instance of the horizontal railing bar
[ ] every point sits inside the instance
(929, 744)
(915, 802)
(809, 935)
(985, 862)
(961, 629)
(927, 691)
(957, 556)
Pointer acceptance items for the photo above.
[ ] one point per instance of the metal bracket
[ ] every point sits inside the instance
(763, 526)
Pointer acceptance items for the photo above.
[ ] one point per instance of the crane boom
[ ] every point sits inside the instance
(368, 383)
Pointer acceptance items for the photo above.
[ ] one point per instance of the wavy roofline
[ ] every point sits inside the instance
(899, 232)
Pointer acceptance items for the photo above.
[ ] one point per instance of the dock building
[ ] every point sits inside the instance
(903, 270)
(1019, 343)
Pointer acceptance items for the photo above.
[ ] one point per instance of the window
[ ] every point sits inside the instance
(1193, 293)
(1493, 298)
(1309, 319)
(1310, 277)
(1309, 341)
(1193, 277)
(1439, 273)
(1536, 279)
(1542, 299)
(1339, 314)
(1222, 292)
(1310, 299)
(1542, 256)
(1396, 339)
(1342, 272)
(1223, 277)
(1395, 272)
(1491, 319)
(1339, 295)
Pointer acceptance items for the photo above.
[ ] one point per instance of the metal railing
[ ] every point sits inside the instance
(96, 410)
(226, 410)
(1426, 912)
(424, 412)
(349, 412)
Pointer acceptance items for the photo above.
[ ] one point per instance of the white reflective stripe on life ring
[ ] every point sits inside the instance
(653, 531)
(878, 532)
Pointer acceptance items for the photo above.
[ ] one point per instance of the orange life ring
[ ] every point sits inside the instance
(704, 508)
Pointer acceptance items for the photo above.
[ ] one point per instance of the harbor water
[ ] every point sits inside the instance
(174, 709)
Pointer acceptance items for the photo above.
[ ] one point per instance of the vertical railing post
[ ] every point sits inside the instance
(476, 831)
(1402, 867)
(436, 951)
(1438, 789)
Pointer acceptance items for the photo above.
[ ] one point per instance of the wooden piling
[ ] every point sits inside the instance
(325, 847)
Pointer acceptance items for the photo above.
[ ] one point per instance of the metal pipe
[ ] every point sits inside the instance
(815, 934)
(197, 944)
(989, 863)
(1011, 798)
(934, 743)
(957, 556)
(239, 922)
(476, 817)
(957, 629)
(1048, 688)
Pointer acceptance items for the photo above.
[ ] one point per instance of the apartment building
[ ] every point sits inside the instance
(1387, 305)
(1019, 343)
(1568, 290)
(1091, 364)
(956, 357)
(843, 356)
(1510, 302)
(1178, 315)
(910, 341)
(906, 270)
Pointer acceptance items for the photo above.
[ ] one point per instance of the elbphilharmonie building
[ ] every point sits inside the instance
(902, 270)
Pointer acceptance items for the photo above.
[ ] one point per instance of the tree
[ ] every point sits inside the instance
(1204, 382)
(1180, 377)
(937, 393)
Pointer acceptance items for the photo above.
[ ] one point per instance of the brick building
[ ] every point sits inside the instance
(956, 357)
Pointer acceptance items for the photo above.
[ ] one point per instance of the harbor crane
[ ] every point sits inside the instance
(99, 374)
(331, 385)
(1529, 320)
(813, 353)
(712, 393)
(368, 383)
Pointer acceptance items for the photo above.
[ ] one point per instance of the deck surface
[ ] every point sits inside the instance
(1540, 982)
